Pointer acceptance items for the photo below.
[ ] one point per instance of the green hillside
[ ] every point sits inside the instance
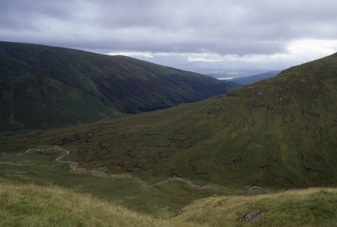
(277, 133)
(198, 163)
(43, 87)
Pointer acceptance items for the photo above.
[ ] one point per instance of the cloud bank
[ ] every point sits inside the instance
(180, 33)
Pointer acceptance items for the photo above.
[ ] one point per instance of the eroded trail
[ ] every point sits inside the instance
(72, 165)
(75, 167)
(192, 185)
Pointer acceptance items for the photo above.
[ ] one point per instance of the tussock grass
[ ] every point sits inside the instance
(31, 205)
(307, 207)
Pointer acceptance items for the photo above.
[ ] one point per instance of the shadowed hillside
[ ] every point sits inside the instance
(44, 87)
(280, 132)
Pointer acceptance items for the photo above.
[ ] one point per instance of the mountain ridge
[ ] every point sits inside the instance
(74, 86)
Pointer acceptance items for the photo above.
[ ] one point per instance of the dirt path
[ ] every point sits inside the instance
(192, 185)
(72, 165)
(249, 189)
(116, 176)
(29, 149)
(75, 166)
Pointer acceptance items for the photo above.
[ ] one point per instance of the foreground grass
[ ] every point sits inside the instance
(30, 205)
(308, 207)
(162, 200)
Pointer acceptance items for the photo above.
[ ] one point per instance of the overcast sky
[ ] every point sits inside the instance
(204, 35)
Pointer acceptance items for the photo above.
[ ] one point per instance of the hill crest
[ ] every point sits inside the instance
(46, 86)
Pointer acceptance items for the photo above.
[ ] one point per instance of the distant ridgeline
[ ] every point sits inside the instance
(254, 78)
(43, 87)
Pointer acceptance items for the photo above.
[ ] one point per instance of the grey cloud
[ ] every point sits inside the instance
(242, 27)
(16, 13)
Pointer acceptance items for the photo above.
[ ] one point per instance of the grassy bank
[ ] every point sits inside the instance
(307, 207)
(30, 205)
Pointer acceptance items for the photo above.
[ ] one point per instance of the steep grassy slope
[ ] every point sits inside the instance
(280, 133)
(44, 87)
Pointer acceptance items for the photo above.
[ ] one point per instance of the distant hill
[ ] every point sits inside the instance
(254, 78)
(43, 87)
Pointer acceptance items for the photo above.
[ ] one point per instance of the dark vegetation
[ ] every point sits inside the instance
(44, 87)
(279, 132)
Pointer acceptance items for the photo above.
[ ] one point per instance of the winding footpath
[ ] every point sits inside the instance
(75, 166)
(72, 165)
